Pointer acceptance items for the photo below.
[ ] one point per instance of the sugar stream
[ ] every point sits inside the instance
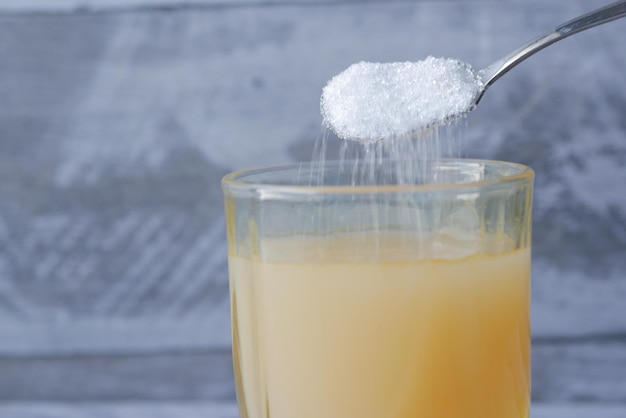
(409, 218)
(396, 122)
(402, 160)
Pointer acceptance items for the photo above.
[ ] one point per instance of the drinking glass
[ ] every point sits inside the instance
(354, 294)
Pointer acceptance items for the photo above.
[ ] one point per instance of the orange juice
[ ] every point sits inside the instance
(390, 336)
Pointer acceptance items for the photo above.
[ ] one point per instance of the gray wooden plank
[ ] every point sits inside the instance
(110, 336)
(120, 410)
(173, 375)
(87, 6)
(213, 410)
(566, 371)
(576, 410)
(584, 371)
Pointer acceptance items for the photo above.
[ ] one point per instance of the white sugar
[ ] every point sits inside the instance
(373, 101)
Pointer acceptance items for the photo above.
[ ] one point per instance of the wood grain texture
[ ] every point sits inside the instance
(116, 127)
(222, 410)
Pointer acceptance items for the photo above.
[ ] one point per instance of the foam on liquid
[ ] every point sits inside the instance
(373, 101)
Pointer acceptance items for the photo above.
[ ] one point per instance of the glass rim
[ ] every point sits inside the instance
(236, 180)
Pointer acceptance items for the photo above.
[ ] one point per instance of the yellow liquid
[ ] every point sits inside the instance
(446, 338)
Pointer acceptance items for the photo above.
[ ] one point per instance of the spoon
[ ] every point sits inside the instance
(369, 102)
(493, 72)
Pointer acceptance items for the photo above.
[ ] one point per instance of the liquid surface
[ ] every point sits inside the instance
(374, 101)
(445, 338)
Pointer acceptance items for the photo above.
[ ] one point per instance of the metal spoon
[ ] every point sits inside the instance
(493, 72)
(360, 121)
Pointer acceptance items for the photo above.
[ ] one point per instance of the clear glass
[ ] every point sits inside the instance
(353, 296)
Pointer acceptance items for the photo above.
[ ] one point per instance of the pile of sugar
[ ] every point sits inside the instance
(373, 101)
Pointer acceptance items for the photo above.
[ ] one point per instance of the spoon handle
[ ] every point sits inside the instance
(594, 18)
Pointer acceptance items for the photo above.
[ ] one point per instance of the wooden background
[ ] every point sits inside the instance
(118, 119)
